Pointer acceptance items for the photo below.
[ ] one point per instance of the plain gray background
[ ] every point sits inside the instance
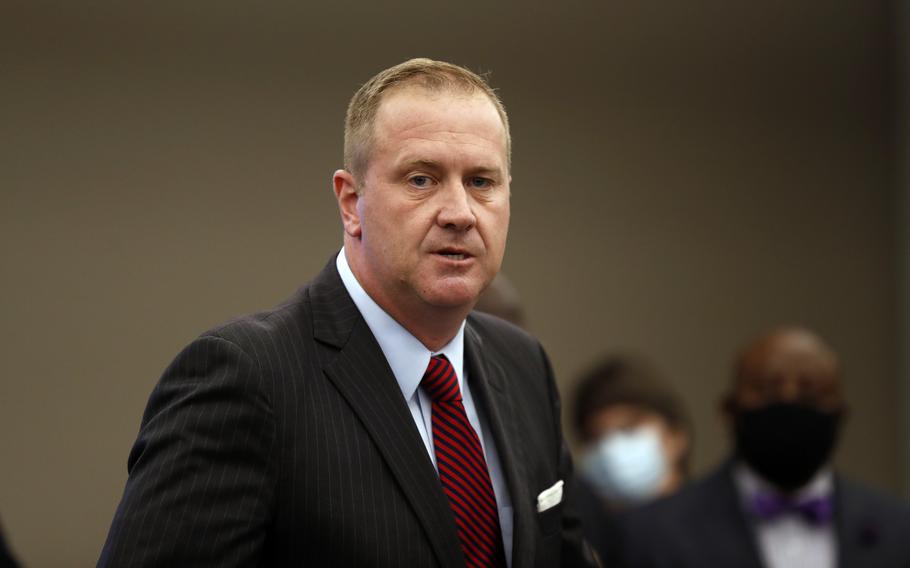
(685, 176)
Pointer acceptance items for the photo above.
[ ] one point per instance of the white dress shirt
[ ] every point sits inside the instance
(789, 541)
(409, 359)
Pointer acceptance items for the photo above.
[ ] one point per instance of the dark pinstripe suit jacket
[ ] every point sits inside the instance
(282, 439)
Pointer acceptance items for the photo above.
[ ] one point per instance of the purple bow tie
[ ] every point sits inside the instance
(815, 510)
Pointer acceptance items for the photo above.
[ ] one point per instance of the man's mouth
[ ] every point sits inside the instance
(454, 254)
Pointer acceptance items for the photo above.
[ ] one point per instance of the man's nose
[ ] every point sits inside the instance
(455, 209)
(789, 389)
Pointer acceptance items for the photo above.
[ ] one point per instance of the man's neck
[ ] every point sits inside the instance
(433, 326)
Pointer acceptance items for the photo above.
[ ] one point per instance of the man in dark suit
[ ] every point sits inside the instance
(371, 419)
(777, 502)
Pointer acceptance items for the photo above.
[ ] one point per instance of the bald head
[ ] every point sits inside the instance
(790, 364)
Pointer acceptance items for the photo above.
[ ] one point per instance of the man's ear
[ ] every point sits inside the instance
(346, 194)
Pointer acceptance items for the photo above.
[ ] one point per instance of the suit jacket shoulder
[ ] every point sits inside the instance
(873, 528)
(505, 336)
(701, 525)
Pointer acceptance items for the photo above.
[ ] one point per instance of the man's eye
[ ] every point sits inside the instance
(480, 182)
(420, 181)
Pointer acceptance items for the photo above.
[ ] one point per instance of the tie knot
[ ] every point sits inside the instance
(440, 381)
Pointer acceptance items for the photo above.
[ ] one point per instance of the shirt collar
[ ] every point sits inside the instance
(407, 356)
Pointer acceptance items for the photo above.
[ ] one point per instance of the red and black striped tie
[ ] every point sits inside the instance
(462, 468)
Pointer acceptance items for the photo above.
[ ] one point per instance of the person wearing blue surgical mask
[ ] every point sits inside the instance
(635, 444)
(627, 465)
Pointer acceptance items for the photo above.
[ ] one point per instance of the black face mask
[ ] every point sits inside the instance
(786, 443)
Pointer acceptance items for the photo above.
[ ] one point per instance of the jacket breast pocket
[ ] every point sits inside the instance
(550, 520)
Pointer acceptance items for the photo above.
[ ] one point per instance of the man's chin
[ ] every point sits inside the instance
(453, 297)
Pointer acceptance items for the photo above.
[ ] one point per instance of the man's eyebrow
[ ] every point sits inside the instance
(435, 165)
(487, 170)
(420, 163)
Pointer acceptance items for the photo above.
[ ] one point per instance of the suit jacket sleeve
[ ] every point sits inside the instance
(201, 479)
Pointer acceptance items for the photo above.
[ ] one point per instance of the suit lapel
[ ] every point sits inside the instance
(362, 375)
(488, 383)
(847, 553)
(858, 529)
(723, 523)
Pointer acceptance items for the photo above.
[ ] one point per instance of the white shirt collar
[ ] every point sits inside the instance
(407, 356)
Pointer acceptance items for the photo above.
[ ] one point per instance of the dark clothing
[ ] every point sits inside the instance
(704, 525)
(6, 557)
(282, 439)
(599, 525)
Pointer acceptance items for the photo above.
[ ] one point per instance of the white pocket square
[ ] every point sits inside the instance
(549, 498)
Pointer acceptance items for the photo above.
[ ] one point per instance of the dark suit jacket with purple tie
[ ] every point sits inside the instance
(704, 526)
(282, 439)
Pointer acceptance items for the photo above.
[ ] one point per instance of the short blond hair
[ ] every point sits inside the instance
(434, 76)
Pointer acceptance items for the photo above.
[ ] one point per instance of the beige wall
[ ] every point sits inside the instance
(683, 177)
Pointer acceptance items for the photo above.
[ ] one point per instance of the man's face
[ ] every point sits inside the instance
(789, 367)
(786, 408)
(432, 211)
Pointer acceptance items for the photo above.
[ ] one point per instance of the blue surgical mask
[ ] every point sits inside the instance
(627, 466)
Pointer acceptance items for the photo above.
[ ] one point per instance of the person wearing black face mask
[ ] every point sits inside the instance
(777, 502)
